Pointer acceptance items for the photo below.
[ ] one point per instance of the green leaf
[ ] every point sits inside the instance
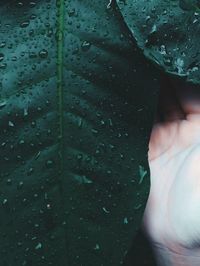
(168, 33)
(77, 101)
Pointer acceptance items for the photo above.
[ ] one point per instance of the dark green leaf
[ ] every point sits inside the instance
(77, 100)
(168, 32)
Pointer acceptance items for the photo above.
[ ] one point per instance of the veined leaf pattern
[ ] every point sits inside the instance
(75, 119)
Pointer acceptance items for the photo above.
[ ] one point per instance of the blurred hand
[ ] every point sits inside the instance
(172, 216)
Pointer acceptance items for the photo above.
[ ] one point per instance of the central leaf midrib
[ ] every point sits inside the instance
(60, 35)
(60, 44)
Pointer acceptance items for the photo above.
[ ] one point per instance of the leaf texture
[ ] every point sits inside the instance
(77, 101)
(168, 33)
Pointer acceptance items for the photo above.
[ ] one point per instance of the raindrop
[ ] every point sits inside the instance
(14, 58)
(11, 124)
(32, 4)
(37, 155)
(71, 12)
(79, 156)
(33, 124)
(110, 122)
(2, 44)
(5, 201)
(32, 55)
(97, 247)
(39, 246)
(30, 171)
(142, 173)
(109, 4)
(2, 103)
(43, 53)
(49, 163)
(19, 4)
(1, 57)
(25, 111)
(9, 181)
(49, 32)
(24, 24)
(3, 66)
(20, 185)
(94, 131)
(179, 63)
(137, 207)
(85, 46)
(105, 210)
(168, 60)
(162, 50)
(125, 220)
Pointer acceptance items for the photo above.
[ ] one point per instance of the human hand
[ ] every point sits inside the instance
(171, 219)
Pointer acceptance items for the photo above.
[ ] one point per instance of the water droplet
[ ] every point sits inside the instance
(109, 4)
(19, 4)
(32, 55)
(14, 58)
(20, 185)
(48, 206)
(43, 53)
(71, 12)
(32, 4)
(30, 171)
(110, 122)
(167, 60)
(25, 111)
(94, 131)
(1, 57)
(137, 207)
(79, 156)
(3, 66)
(125, 220)
(49, 163)
(105, 210)
(85, 46)
(9, 181)
(39, 246)
(24, 24)
(97, 247)
(162, 50)
(142, 173)
(37, 155)
(2, 103)
(179, 63)
(33, 124)
(11, 124)
(2, 44)
(5, 201)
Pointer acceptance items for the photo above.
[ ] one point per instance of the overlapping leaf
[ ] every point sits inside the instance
(168, 32)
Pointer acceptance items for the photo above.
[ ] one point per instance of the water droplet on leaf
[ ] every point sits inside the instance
(85, 46)
(43, 53)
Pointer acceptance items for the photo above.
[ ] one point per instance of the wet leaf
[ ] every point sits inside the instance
(174, 24)
(75, 120)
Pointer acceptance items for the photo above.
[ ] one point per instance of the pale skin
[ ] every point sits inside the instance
(171, 219)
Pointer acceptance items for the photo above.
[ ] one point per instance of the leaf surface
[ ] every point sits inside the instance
(76, 110)
(168, 33)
